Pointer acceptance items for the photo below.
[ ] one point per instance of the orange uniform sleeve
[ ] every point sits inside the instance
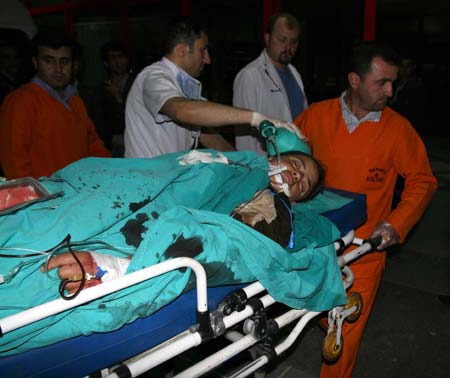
(369, 160)
(411, 162)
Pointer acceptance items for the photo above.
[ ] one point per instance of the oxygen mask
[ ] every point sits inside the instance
(278, 141)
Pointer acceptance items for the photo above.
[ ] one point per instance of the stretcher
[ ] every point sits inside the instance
(186, 322)
(149, 205)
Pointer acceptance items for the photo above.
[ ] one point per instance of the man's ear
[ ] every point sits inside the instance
(353, 79)
(181, 49)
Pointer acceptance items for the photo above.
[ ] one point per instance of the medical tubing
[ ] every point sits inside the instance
(277, 151)
(64, 282)
(291, 218)
(56, 306)
(48, 254)
(269, 132)
(12, 273)
(33, 254)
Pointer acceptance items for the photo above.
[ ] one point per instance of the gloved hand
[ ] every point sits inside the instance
(257, 118)
(389, 235)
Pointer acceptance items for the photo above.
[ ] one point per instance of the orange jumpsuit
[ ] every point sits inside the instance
(39, 135)
(368, 161)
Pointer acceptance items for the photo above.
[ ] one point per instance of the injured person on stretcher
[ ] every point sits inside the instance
(268, 211)
(118, 216)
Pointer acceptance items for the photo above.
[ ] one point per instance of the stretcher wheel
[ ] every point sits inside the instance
(330, 350)
(354, 299)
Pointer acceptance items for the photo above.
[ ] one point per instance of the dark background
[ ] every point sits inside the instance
(416, 28)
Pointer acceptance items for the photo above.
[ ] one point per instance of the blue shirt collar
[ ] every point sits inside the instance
(350, 119)
(69, 91)
(190, 86)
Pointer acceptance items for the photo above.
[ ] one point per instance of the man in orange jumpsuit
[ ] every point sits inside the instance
(364, 146)
(44, 125)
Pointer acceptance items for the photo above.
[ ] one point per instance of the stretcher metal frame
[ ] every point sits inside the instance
(243, 306)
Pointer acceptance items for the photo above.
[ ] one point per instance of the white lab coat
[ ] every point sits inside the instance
(258, 87)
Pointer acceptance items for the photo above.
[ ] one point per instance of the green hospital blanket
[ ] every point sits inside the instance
(153, 210)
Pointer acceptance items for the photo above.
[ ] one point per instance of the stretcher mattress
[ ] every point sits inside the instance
(82, 355)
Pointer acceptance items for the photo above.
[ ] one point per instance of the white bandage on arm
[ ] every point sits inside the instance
(109, 267)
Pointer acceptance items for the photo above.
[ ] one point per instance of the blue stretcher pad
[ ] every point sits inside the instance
(153, 194)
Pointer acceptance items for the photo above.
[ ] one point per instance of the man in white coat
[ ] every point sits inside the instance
(165, 111)
(270, 84)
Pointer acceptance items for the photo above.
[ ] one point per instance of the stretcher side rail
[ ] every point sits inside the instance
(337, 314)
(222, 322)
(56, 306)
(251, 334)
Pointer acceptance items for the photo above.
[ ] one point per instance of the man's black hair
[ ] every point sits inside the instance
(183, 31)
(290, 19)
(54, 40)
(363, 54)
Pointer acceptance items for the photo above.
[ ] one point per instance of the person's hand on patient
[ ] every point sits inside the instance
(257, 118)
(97, 267)
(389, 236)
